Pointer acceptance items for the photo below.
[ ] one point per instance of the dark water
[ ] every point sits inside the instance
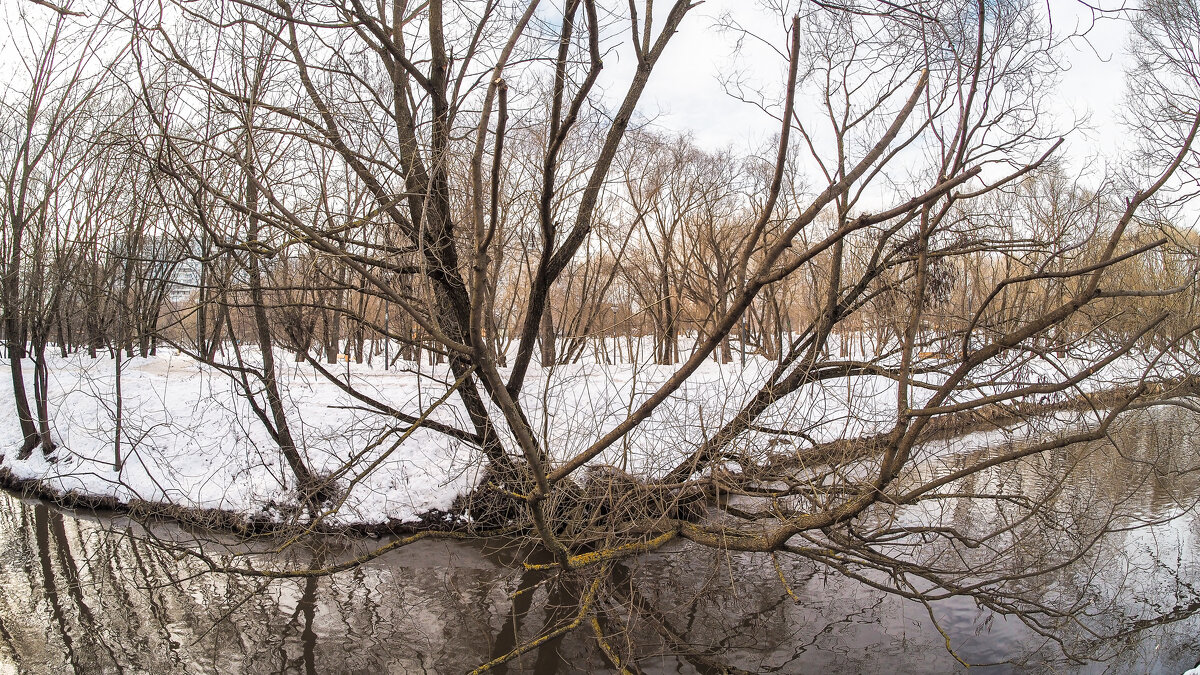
(89, 594)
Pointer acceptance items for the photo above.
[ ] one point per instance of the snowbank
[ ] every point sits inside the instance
(191, 439)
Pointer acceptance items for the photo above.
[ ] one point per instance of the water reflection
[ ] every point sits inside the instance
(89, 594)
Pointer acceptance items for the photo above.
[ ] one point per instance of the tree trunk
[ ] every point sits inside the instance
(263, 330)
(15, 334)
(41, 394)
(546, 338)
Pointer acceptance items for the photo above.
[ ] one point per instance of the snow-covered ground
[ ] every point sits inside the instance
(191, 439)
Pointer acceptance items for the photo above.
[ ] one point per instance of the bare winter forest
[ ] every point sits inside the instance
(296, 269)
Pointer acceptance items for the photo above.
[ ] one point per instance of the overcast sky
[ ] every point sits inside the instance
(686, 95)
(686, 92)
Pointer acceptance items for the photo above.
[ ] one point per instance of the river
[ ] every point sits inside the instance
(93, 593)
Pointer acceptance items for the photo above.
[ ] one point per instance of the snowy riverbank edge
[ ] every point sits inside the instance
(229, 521)
(215, 520)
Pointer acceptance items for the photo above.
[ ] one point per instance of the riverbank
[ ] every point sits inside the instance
(80, 594)
(217, 520)
(194, 451)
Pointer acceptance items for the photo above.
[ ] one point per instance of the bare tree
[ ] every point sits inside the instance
(449, 176)
(49, 119)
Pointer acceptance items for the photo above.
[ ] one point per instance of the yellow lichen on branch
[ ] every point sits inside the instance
(585, 606)
(585, 559)
(782, 580)
(607, 648)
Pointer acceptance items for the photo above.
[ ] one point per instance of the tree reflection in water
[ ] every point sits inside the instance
(85, 593)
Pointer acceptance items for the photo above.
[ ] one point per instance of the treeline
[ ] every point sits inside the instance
(117, 259)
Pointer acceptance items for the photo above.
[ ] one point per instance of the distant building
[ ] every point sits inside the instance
(185, 282)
